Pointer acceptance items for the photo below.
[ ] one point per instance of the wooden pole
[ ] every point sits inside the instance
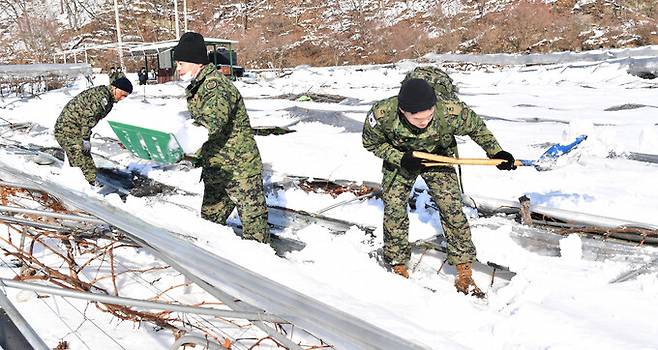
(443, 160)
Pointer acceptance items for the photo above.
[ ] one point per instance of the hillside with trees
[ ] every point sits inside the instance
(320, 33)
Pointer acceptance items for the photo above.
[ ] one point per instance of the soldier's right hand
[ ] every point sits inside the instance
(86, 147)
(411, 163)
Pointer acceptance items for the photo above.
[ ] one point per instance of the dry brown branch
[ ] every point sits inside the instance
(132, 271)
(169, 289)
(94, 255)
(264, 339)
(114, 279)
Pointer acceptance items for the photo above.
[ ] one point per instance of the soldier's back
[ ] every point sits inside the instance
(86, 107)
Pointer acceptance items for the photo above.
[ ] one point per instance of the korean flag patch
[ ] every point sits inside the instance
(371, 119)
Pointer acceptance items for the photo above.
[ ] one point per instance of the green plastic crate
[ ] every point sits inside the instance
(148, 144)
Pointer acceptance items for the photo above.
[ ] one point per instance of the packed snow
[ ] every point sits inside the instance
(556, 302)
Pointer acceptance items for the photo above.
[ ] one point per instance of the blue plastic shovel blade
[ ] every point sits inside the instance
(557, 150)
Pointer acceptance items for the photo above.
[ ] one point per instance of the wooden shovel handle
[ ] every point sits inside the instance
(443, 160)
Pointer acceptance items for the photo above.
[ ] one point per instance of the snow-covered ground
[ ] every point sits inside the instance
(560, 302)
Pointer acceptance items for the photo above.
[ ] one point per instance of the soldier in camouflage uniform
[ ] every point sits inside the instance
(116, 73)
(416, 120)
(232, 167)
(80, 115)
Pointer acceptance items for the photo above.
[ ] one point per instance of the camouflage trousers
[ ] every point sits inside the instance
(222, 194)
(444, 189)
(72, 146)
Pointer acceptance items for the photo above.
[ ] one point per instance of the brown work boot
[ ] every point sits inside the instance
(401, 270)
(464, 282)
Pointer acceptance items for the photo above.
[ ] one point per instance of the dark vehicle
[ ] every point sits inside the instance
(226, 61)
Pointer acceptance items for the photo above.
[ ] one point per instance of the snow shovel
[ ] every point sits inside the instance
(543, 163)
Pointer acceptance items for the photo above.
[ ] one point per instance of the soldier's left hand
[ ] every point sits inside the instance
(86, 147)
(508, 164)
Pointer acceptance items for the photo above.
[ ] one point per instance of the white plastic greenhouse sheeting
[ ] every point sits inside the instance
(17, 71)
(567, 215)
(549, 58)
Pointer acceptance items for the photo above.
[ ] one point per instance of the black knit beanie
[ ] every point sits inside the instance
(191, 48)
(416, 95)
(123, 84)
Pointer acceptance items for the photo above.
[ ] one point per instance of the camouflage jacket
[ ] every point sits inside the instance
(84, 111)
(116, 75)
(216, 104)
(387, 134)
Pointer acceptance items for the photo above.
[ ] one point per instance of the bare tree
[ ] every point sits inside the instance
(248, 8)
(31, 26)
(76, 11)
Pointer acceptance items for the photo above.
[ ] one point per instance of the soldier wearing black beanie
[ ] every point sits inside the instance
(415, 120)
(232, 167)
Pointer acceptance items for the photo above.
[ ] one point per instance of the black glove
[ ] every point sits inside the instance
(410, 163)
(86, 147)
(509, 160)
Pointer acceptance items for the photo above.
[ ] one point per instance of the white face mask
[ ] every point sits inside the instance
(187, 77)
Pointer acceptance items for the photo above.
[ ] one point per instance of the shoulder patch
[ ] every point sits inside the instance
(104, 101)
(379, 112)
(212, 84)
(371, 119)
(453, 108)
(380, 109)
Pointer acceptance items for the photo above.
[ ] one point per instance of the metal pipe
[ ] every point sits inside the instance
(30, 335)
(119, 40)
(176, 19)
(51, 214)
(185, 15)
(35, 224)
(358, 198)
(630, 274)
(109, 299)
(197, 340)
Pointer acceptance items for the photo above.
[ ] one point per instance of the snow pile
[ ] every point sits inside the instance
(571, 248)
